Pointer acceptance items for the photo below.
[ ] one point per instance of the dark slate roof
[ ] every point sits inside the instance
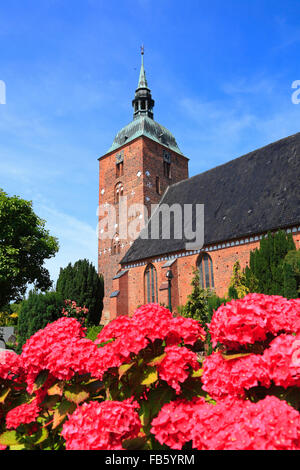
(144, 125)
(250, 195)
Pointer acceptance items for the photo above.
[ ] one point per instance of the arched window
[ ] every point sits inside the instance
(116, 246)
(118, 192)
(151, 295)
(206, 272)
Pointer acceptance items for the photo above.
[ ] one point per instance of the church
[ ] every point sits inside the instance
(243, 200)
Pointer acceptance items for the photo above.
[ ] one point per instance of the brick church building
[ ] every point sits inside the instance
(243, 200)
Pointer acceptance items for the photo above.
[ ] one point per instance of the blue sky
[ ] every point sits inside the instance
(220, 73)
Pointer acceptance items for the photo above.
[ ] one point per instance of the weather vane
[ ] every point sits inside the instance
(142, 49)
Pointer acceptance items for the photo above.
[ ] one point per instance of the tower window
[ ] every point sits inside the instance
(116, 246)
(206, 274)
(118, 192)
(167, 170)
(119, 169)
(157, 185)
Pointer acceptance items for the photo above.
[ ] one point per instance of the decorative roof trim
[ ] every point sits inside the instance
(174, 256)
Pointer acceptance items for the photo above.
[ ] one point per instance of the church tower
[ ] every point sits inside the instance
(142, 162)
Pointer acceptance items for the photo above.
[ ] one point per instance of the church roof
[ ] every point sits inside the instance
(250, 195)
(145, 126)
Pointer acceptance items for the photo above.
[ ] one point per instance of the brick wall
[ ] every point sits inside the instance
(143, 163)
(223, 262)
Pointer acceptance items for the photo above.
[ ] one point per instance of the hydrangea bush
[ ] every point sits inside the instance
(142, 384)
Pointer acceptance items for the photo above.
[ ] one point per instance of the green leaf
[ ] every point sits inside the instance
(17, 447)
(61, 412)
(40, 379)
(231, 357)
(124, 368)
(9, 438)
(76, 394)
(135, 444)
(50, 402)
(157, 360)
(56, 389)
(42, 435)
(4, 394)
(151, 376)
(197, 373)
(94, 386)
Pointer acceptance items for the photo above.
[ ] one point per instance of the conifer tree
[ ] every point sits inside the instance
(237, 287)
(36, 312)
(292, 274)
(197, 303)
(81, 282)
(265, 273)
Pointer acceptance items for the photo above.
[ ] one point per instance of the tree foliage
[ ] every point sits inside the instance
(24, 246)
(237, 287)
(268, 272)
(81, 282)
(37, 311)
(291, 274)
(197, 303)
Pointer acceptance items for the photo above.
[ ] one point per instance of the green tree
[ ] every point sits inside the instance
(37, 311)
(265, 274)
(237, 287)
(197, 303)
(291, 273)
(24, 246)
(81, 282)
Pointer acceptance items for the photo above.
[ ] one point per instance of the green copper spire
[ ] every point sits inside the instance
(142, 78)
(143, 102)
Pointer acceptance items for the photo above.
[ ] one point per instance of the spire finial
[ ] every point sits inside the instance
(143, 102)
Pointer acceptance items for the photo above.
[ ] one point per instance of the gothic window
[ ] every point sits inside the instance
(167, 169)
(206, 273)
(118, 192)
(116, 246)
(119, 169)
(151, 295)
(157, 184)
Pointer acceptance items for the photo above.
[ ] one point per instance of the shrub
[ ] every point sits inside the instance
(265, 273)
(81, 283)
(237, 287)
(36, 312)
(93, 331)
(140, 384)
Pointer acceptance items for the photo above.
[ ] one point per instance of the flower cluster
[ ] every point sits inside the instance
(101, 426)
(173, 425)
(54, 340)
(222, 377)
(253, 319)
(73, 310)
(231, 424)
(282, 361)
(70, 392)
(153, 322)
(127, 337)
(176, 366)
(23, 414)
(10, 365)
(270, 424)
